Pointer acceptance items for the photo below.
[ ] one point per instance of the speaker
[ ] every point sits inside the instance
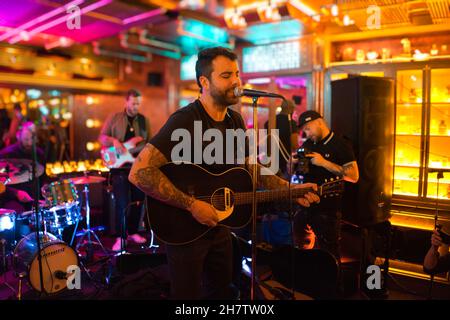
(362, 110)
(154, 79)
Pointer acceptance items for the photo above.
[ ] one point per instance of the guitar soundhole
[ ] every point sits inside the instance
(222, 200)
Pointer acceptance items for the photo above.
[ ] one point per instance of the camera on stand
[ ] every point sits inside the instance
(303, 162)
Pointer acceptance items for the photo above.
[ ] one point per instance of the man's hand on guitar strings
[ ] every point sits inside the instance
(204, 213)
(309, 197)
(119, 146)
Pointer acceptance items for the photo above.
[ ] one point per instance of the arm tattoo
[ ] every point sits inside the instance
(147, 176)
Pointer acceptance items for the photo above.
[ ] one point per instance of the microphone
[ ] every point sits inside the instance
(60, 275)
(239, 92)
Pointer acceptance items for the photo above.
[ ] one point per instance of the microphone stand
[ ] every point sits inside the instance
(291, 215)
(440, 175)
(254, 203)
(37, 210)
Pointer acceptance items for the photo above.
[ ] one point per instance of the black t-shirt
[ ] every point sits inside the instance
(334, 149)
(195, 120)
(130, 130)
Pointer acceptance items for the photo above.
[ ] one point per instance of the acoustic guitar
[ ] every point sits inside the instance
(229, 192)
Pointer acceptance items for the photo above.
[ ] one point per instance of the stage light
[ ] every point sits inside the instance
(6, 223)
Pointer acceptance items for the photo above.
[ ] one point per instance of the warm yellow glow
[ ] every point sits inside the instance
(90, 100)
(67, 115)
(90, 146)
(54, 102)
(411, 220)
(89, 123)
(56, 168)
(339, 76)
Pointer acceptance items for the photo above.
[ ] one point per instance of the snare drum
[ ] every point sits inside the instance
(56, 255)
(58, 217)
(59, 193)
(62, 216)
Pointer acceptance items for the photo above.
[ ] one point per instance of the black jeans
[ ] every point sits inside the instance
(203, 268)
(125, 193)
(326, 227)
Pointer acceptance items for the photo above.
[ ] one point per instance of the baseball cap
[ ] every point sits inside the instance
(308, 116)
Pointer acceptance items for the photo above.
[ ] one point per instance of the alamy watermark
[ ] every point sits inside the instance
(74, 18)
(237, 142)
(73, 277)
(373, 21)
(374, 280)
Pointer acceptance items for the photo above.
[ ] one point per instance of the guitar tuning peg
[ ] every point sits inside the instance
(326, 180)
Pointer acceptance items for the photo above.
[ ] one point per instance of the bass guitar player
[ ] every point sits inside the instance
(122, 137)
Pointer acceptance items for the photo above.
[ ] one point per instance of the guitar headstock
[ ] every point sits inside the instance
(333, 187)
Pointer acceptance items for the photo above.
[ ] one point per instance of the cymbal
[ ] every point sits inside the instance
(18, 170)
(87, 180)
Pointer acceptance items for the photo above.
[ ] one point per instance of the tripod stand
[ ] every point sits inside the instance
(88, 232)
(440, 175)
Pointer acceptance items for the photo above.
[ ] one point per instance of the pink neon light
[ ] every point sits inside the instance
(39, 19)
(62, 19)
(144, 15)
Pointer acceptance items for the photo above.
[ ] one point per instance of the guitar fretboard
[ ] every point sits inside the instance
(270, 195)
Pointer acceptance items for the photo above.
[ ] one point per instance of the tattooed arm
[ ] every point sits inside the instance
(349, 171)
(146, 175)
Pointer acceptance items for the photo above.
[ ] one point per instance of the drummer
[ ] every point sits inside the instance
(19, 196)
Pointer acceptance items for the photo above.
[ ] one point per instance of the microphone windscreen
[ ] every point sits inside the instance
(238, 92)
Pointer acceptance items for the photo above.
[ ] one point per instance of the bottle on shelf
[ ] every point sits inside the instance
(412, 95)
(442, 128)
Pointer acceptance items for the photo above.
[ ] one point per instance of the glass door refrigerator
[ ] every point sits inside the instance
(422, 139)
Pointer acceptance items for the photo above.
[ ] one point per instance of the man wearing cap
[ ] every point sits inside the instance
(330, 156)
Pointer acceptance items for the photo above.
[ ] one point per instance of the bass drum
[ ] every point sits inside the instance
(56, 255)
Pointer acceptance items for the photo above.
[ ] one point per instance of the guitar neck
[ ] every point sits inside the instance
(271, 195)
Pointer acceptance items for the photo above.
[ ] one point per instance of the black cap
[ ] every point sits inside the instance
(308, 116)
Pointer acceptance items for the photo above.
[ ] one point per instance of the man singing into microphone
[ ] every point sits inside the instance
(201, 268)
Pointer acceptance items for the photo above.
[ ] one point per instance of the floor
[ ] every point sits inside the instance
(141, 273)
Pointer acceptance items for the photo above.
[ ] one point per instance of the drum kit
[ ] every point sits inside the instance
(62, 209)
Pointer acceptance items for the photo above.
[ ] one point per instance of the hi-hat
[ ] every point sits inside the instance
(87, 180)
(18, 170)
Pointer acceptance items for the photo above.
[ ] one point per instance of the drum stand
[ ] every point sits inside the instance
(4, 265)
(88, 232)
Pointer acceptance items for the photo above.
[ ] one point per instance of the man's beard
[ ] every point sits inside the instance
(223, 98)
(132, 113)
